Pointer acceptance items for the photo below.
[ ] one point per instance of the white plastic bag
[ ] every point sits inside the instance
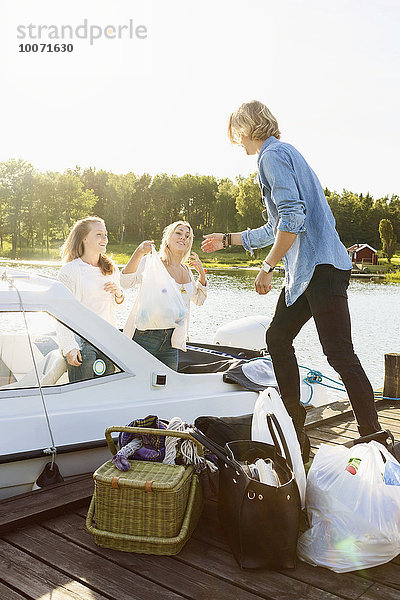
(160, 304)
(354, 515)
(269, 401)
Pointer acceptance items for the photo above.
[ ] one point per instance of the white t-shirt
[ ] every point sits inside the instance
(187, 290)
(94, 295)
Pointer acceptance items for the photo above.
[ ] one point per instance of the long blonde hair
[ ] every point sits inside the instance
(73, 246)
(252, 119)
(165, 252)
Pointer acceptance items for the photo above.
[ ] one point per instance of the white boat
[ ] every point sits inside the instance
(72, 417)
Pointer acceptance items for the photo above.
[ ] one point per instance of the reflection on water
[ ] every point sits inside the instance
(375, 311)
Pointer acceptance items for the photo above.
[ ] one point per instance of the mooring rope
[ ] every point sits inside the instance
(52, 449)
(188, 448)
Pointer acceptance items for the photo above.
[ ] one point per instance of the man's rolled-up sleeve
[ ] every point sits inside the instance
(257, 238)
(276, 169)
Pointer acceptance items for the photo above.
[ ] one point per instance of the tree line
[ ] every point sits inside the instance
(37, 209)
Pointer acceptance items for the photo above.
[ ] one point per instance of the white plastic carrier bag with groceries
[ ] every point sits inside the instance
(270, 402)
(160, 303)
(353, 506)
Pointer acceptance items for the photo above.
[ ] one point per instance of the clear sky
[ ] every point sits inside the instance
(328, 70)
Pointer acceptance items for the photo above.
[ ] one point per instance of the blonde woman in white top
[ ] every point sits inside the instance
(94, 280)
(175, 250)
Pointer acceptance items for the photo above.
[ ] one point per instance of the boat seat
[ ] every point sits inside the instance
(16, 354)
(50, 370)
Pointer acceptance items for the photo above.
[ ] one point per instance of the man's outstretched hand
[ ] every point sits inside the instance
(212, 242)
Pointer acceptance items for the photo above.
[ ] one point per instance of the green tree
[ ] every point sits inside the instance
(96, 181)
(16, 180)
(388, 238)
(200, 201)
(187, 187)
(142, 214)
(394, 214)
(46, 208)
(167, 195)
(120, 194)
(74, 201)
(225, 215)
(248, 202)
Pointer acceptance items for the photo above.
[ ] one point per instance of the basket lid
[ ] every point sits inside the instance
(141, 473)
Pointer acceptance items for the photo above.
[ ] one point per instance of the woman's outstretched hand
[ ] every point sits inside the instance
(212, 242)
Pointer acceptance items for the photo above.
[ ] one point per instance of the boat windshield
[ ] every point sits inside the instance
(47, 347)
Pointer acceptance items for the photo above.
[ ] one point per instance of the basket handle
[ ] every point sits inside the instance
(149, 431)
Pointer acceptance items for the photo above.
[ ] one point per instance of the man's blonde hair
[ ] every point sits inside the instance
(252, 119)
(165, 252)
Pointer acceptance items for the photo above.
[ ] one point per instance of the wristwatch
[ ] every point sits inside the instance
(266, 267)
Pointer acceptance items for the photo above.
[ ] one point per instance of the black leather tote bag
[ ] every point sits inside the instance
(260, 521)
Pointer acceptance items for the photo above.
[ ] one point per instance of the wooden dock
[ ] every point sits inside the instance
(51, 556)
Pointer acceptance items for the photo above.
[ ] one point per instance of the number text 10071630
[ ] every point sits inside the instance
(45, 48)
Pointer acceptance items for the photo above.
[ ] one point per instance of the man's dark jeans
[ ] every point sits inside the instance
(325, 299)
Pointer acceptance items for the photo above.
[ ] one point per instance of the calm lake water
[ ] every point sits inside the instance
(375, 311)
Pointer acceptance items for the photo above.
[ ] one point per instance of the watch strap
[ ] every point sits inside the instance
(266, 267)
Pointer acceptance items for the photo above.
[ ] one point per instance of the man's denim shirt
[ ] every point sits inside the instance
(295, 202)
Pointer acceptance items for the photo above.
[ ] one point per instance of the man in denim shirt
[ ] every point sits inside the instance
(301, 228)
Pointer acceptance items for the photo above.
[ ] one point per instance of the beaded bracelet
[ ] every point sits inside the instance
(227, 240)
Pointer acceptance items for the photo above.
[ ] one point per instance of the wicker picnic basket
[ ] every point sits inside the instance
(153, 508)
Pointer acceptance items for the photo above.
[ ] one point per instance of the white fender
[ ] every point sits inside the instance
(248, 333)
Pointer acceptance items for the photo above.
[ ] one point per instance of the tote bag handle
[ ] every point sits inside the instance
(276, 434)
(215, 448)
(278, 438)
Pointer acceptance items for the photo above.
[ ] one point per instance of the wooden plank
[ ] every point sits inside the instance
(317, 441)
(392, 413)
(389, 417)
(345, 585)
(377, 591)
(96, 572)
(333, 411)
(396, 561)
(163, 570)
(388, 574)
(350, 430)
(7, 593)
(275, 585)
(327, 436)
(346, 429)
(207, 558)
(34, 579)
(327, 413)
(27, 508)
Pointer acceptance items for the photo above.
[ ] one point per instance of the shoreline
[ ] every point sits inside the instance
(222, 267)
